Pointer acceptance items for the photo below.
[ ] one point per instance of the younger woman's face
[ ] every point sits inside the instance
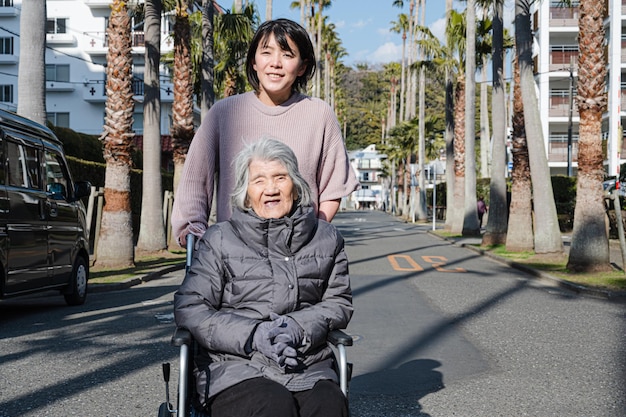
(277, 70)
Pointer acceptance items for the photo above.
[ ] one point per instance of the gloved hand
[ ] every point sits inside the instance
(287, 355)
(261, 340)
(287, 326)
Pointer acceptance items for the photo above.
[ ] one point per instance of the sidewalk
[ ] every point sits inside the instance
(615, 257)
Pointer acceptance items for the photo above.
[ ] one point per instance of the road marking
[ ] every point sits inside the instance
(393, 260)
(406, 263)
(439, 261)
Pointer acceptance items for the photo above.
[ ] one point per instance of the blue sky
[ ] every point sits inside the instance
(363, 25)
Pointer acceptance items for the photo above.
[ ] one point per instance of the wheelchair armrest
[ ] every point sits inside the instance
(338, 337)
(181, 337)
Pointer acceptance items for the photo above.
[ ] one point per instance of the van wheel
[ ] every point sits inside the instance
(78, 283)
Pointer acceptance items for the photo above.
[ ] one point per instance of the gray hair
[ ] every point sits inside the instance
(267, 149)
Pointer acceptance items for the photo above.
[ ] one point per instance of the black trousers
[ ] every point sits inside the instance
(261, 397)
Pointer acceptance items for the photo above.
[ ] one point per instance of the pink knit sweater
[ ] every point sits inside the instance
(308, 125)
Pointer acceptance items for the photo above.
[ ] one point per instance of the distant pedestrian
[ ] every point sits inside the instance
(482, 209)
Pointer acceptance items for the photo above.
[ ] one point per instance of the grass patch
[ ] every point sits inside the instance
(144, 264)
(556, 265)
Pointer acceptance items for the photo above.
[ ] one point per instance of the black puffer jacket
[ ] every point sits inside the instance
(246, 268)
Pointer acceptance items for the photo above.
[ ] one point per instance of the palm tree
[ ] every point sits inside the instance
(454, 61)
(31, 88)
(520, 231)
(268, 9)
(449, 132)
(402, 26)
(547, 232)
(182, 107)
(496, 229)
(232, 37)
(115, 244)
(484, 43)
(207, 92)
(470, 219)
(590, 246)
(151, 230)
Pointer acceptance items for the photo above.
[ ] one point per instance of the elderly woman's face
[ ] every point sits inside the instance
(270, 189)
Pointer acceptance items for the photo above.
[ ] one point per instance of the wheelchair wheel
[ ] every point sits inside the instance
(164, 410)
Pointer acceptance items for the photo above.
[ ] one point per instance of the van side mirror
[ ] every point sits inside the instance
(57, 191)
(82, 189)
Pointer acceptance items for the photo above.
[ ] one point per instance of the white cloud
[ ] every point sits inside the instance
(385, 53)
(438, 28)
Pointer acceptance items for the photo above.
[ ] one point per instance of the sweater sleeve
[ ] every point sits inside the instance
(336, 178)
(194, 194)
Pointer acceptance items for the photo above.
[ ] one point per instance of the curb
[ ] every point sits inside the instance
(560, 283)
(131, 282)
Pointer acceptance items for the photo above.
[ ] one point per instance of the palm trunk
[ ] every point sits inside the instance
(115, 243)
(459, 158)
(496, 230)
(547, 232)
(152, 229)
(449, 138)
(471, 227)
(590, 246)
(31, 88)
(520, 236)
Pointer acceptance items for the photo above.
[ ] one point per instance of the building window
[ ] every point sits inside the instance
(58, 73)
(59, 119)
(6, 46)
(6, 3)
(6, 93)
(56, 25)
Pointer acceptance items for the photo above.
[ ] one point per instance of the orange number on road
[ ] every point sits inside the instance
(438, 262)
(395, 264)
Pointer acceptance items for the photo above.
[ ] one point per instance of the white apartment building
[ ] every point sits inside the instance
(368, 165)
(76, 48)
(555, 50)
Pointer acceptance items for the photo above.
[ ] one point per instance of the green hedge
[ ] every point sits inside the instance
(94, 172)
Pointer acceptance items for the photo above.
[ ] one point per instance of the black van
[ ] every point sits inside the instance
(43, 234)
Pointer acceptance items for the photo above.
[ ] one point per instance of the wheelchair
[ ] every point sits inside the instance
(182, 339)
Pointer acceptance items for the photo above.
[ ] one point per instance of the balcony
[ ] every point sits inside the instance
(60, 39)
(8, 11)
(98, 4)
(98, 42)
(58, 86)
(559, 103)
(95, 91)
(562, 56)
(564, 16)
(557, 148)
(8, 59)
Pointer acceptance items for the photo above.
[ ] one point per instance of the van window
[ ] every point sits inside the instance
(56, 178)
(23, 166)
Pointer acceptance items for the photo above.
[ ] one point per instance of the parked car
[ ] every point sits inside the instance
(43, 234)
(609, 186)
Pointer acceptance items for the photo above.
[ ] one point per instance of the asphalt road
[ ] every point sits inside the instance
(439, 331)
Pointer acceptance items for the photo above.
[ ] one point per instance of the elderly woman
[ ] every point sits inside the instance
(263, 291)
